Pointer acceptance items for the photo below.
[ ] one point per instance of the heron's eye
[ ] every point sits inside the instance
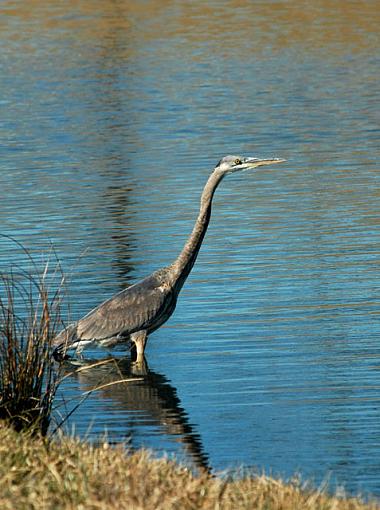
(237, 161)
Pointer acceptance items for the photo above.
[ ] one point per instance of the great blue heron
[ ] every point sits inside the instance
(137, 311)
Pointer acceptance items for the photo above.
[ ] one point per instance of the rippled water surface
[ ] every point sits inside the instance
(112, 116)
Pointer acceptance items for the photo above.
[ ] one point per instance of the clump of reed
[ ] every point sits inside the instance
(69, 473)
(29, 319)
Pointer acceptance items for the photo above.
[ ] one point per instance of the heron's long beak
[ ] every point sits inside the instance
(255, 162)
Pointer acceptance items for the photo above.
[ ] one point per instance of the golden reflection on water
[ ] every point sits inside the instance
(307, 26)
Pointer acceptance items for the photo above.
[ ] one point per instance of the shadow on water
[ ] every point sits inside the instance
(145, 393)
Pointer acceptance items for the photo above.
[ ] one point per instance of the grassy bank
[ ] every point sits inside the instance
(36, 474)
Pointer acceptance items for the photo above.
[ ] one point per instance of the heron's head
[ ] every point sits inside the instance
(230, 164)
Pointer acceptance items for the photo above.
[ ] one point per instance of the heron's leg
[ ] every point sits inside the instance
(139, 339)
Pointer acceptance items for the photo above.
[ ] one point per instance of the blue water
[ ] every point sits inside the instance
(112, 117)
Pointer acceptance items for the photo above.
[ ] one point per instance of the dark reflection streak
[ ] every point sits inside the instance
(117, 132)
(153, 397)
(121, 236)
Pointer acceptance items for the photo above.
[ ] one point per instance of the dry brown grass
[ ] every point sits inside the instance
(36, 474)
(29, 318)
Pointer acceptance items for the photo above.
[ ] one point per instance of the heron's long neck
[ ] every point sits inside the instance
(186, 259)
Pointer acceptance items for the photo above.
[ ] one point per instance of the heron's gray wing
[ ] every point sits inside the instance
(135, 308)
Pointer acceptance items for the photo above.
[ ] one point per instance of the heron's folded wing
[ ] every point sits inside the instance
(130, 310)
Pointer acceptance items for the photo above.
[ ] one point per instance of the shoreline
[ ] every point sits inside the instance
(68, 473)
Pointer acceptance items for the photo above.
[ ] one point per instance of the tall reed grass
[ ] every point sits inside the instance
(29, 320)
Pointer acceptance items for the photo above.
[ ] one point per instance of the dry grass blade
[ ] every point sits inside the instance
(121, 381)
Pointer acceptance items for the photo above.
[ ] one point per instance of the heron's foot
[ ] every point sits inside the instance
(139, 368)
(138, 346)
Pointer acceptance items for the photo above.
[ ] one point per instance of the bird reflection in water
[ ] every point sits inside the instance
(144, 393)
